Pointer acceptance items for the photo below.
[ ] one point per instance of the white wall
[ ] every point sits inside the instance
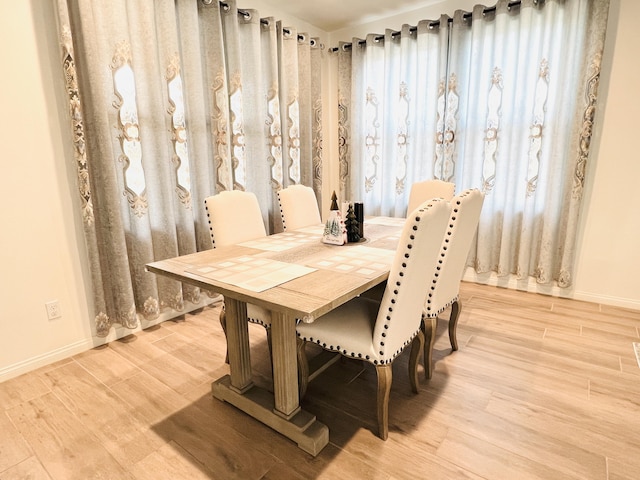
(41, 245)
(41, 251)
(609, 259)
(432, 11)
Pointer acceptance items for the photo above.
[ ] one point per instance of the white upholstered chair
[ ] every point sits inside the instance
(377, 332)
(423, 191)
(298, 207)
(444, 289)
(235, 217)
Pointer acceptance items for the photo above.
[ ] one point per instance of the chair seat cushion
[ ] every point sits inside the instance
(347, 329)
(259, 315)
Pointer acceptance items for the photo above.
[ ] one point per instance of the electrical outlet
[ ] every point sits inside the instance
(53, 309)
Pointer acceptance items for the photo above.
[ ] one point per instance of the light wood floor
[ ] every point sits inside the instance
(541, 388)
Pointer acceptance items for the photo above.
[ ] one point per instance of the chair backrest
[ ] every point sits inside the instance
(415, 260)
(462, 227)
(423, 191)
(298, 207)
(234, 217)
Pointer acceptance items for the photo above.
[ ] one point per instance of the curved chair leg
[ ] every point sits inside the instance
(223, 323)
(429, 324)
(384, 388)
(453, 324)
(303, 367)
(416, 347)
(268, 329)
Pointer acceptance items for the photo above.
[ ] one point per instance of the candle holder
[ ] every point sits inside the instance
(358, 209)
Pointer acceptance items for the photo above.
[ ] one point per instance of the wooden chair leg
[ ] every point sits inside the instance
(303, 367)
(416, 347)
(269, 343)
(429, 326)
(384, 388)
(223, 323)
(453, 324)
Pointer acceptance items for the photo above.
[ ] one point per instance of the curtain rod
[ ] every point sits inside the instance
(263, 21)
(435, 23)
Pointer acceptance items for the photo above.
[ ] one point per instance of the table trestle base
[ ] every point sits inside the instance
(303, 428)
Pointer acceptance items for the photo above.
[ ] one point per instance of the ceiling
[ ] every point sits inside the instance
(331, 15)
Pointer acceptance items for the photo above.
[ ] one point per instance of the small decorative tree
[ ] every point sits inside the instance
(334, 229)
(334, 201)
(351, 223)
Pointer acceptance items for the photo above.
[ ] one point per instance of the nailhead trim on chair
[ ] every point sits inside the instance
(284, 223)
(409, 246)
(258, 322)
(383, 361)
(359, 355)
(443, 253)
(210, 226)
(440, 310)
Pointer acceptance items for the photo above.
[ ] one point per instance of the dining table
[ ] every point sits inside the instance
(298, 278)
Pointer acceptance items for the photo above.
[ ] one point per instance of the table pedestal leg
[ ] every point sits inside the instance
(238, 345)
(279, 410)
(285, 369)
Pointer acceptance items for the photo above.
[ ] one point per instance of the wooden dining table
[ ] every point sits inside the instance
(298, 278)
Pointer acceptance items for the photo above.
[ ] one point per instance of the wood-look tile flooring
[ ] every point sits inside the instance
(541, 388)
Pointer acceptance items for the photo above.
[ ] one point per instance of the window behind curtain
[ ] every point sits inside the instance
(511, 114)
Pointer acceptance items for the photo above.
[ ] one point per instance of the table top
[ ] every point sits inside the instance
(311, 278)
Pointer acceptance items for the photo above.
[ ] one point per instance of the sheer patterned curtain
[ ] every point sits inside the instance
(172, 101)
(514, 117)
(388, 94)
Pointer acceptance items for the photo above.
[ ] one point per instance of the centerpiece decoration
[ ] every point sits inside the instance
(335, 232)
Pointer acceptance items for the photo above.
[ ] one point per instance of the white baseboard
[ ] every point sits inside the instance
(16, 369)
(119, 332)
(530, 285)
(38, 361)
(627, 303)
